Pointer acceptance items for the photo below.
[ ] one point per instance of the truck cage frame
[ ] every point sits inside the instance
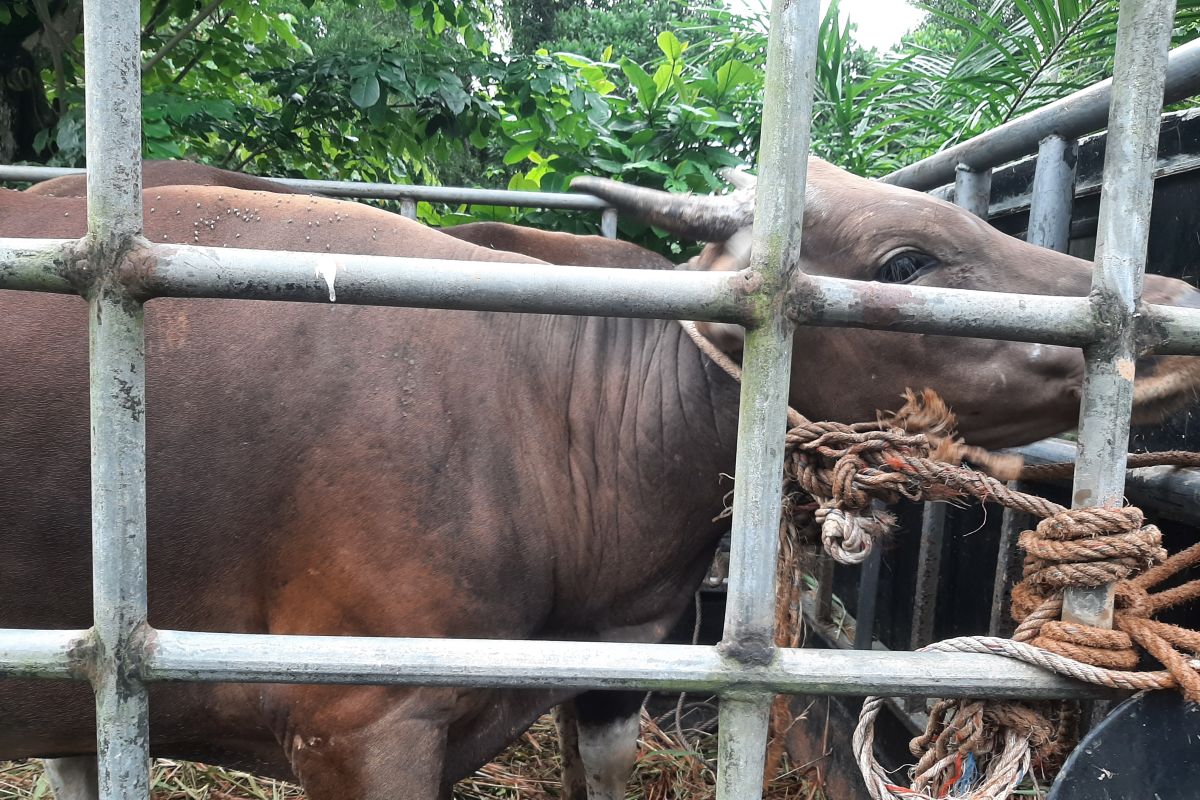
(120, 653)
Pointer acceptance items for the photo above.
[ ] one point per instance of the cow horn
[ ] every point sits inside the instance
(704, 218)
(738, 179)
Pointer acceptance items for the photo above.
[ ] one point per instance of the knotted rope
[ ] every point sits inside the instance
(1069, 547)
(981, 749)
(913, 453)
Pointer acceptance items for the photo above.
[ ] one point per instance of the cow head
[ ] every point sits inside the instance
(1004, 393)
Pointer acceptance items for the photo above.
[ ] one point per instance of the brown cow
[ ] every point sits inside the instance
(559, 248)
(408, 472)
(168, 173)
(555, 248)
(604, 724)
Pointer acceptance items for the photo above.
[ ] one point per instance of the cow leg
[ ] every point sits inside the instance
(574, 779)
(72, 778)
(608, 724)
(364, 743)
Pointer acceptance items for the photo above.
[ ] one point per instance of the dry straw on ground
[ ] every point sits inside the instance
(668, 768)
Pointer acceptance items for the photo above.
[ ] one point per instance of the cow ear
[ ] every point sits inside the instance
(729, 339)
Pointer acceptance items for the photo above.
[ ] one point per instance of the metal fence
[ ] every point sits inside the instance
(120, 653)
(407, 195)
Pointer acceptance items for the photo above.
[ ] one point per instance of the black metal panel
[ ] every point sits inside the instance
(1146, 748)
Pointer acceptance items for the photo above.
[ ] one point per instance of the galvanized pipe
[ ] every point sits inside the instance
(448, 194)
(118, 413)
(27, 173)
(1123, 229)
(1053, 193)
(608, 223)
(749, 633)
(44, 654)
(37, 265)
(1083, 112)
(239, 657)
(454, 195)
(185, 271)
(113, 84)
(819, 300)
(973, 189)
(112, 39)
(1177, 328)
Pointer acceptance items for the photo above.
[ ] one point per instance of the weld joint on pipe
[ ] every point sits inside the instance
(1151, 331)
(1111, 319)
(753, 649)
(95, 656)
(121, 267)
(802, 300)
(83, 656)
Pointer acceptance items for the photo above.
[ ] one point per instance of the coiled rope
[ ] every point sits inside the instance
(976, 749)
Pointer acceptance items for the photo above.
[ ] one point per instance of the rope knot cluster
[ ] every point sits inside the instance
(1012, 736)
(1091, 547)
(914, 453)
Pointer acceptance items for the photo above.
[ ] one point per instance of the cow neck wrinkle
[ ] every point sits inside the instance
(726, 363)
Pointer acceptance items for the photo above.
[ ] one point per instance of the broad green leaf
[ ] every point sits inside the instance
(364, 92)
(518, 152)
(259, 28)
(643, 84)
(670, 45)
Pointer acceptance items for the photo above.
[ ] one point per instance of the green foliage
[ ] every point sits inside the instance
(974, 66)
(631, 29)
(649, 93)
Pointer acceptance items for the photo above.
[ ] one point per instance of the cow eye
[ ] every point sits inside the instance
(904, 267)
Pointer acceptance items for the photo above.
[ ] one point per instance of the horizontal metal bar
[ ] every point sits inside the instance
(190, 656)
(185, 271)
(1178, 328)
(1167, 491)
(1047, 319)
(27, 173)
(1174, 158)
(376, 191)
(42, 654)
(448, 194)
(1073, 116)
(37, 265)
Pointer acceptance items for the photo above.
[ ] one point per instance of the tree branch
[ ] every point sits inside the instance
(182, 34)
(153, 19)
(193, 61)
(255, 154)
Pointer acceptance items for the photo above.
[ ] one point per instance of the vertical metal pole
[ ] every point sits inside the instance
(868, 595)
(824, 578)
(750, 610)
(608, 223)
(1049, 226)
(973, 190)
(929, 570)
(117, 379)
(1008, 566)
(1143, 36)
(1053, 193)
(408, 208)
